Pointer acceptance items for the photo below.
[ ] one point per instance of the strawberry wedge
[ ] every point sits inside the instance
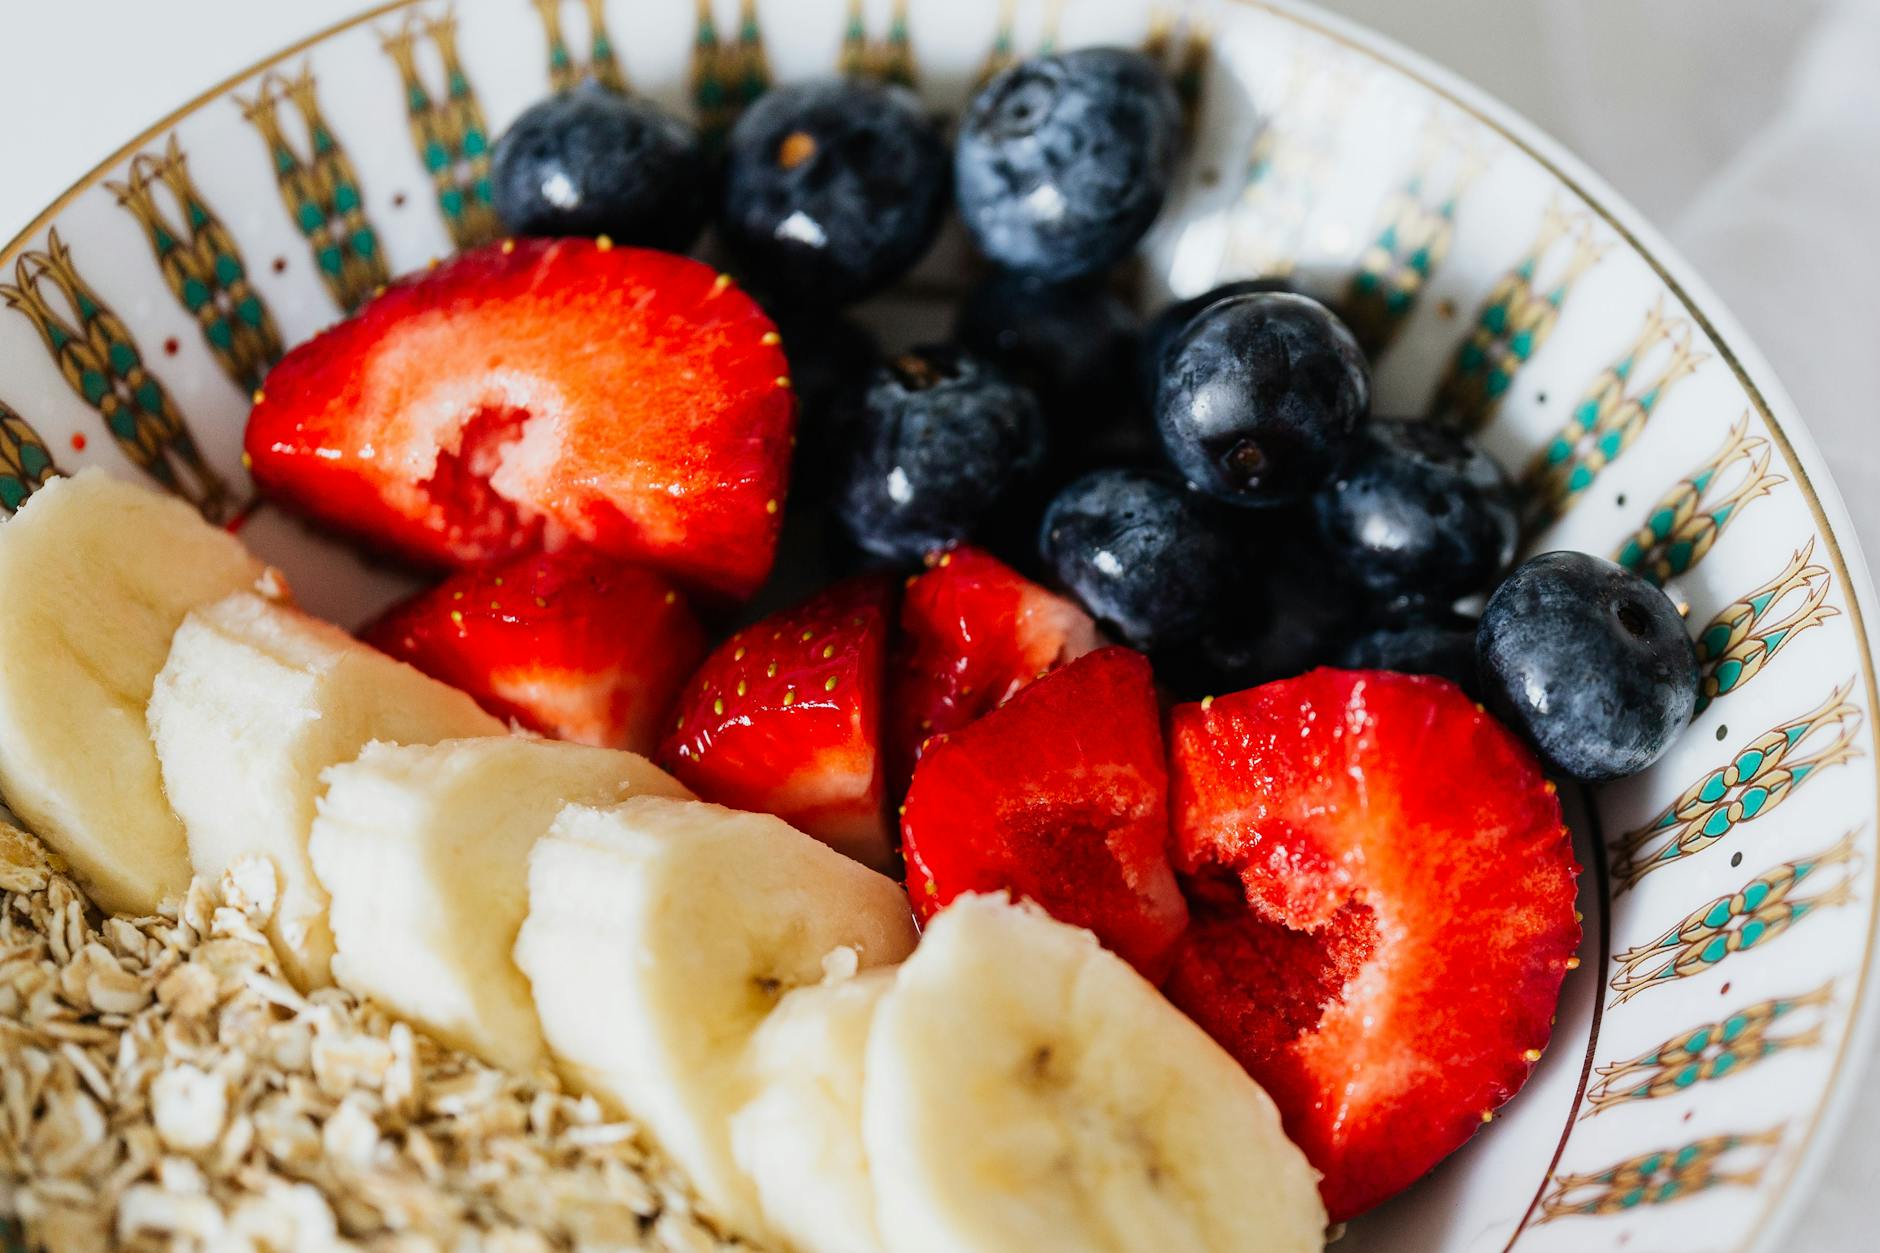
(534, 394)
(973, 632)
(1059, 795)
(1383, 895)
(785, 718)
(573, 645)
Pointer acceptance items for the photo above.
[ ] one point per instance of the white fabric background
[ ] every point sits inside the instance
(1748, 129)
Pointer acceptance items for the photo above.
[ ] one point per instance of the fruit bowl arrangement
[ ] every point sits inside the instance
(1091, 628)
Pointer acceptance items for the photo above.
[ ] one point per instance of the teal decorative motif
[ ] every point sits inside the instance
(320, 189)
(202, 266)
(1743, 638)
(1517, 318)
(1181, 43)
(1004, 50)
(101, 363)
(1765, 908)
(1609, 416)
(1663, 1176)
(1708, 1052)
(448, 129)
(564, 68)
(889, 59)
(1287, 168)
(1683, 527)
(1413, 237)
(25, 462)
(727, 77)
(1759, 777)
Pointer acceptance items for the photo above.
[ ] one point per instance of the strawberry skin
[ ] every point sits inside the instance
(1383, 894)
(1060, 795)
(973, 632)
(537, 393)
(785, 718)
(572, 645)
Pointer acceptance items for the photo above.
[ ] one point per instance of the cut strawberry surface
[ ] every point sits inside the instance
(573, 645)
(785, 718)
(1383, 894)
(973, 632)
(1059, 795)
(535, 394)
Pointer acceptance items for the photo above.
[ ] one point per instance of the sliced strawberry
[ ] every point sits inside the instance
(1059, 795)
(785, 718)
(537, 392)
(573, 645)
(1383, 896)
(973, 632)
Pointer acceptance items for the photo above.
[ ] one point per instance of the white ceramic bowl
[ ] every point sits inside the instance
(1722, 1000)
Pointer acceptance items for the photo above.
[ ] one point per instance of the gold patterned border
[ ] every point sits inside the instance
(1387, 55)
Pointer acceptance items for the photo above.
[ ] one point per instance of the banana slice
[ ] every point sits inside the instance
(255, 701)
(425, 850)
(799, 1138)
(660, 933)
(1024, 1089)
(95, 575)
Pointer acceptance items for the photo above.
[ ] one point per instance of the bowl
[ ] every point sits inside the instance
(1723, 997)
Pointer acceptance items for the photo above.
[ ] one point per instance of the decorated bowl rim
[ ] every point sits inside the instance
(1751, 371)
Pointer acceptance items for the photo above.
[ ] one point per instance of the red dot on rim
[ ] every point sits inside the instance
(280, 264)
(79, 441)
(171, 346)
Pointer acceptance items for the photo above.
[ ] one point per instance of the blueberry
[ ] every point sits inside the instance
(1418, 512)
(941, 443)
(1443, 646)
(594, 162)
(832, 189)
(1590, 662)
(1148, 558)
(1063, 161)
(1071, 343)
(1260, 397)
(1160, 331)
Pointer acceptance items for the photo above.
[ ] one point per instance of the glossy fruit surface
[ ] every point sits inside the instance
(1590, 662)
(832, 190)
(590, 161)
(1383, 901)
(1260, 396)
(1063, 161)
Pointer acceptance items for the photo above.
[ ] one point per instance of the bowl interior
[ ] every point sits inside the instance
(1728, 897)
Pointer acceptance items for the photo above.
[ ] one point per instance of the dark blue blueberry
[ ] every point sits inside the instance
(1443, 646)
(1071, 343)
(1590, 662)
(1063, 161)
(1418, 512)
(1146, 557)
(1260, 396)
(832, 189)
(941, 444)
(594, 162)
(1160, 331)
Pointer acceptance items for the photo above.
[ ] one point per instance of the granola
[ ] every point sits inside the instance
(163, 1086)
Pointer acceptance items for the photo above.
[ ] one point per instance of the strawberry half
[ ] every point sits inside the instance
(785, 718)
(973, 632)
(573, 645)
(1060, 795)
(535, 393)
(1383, 897)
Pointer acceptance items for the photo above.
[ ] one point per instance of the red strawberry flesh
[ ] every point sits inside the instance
(1059, 795)
(973, 632)
(536, 394)
(1384, 910)
(573, 645)
(785, 718)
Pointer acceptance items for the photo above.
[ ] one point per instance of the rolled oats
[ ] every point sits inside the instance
(163, 1087)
